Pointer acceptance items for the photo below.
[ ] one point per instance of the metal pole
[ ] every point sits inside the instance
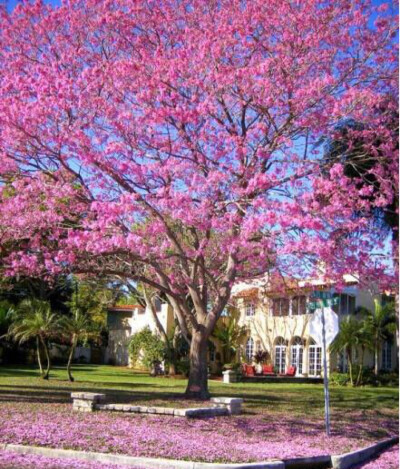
(326, 384)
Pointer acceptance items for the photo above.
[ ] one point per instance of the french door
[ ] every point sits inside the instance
(314, 360)
(297, 358)
(280, 358)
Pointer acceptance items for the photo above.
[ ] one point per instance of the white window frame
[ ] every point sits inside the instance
(249, 309)
(280, 356)
(314, 360)
(347, 296)
(280, 300)
(249, 352)
(292, 302)
(297, 355)
(387, 356)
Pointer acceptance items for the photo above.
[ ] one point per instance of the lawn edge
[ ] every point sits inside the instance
(341, 461)
(347, 460)
(149, 463)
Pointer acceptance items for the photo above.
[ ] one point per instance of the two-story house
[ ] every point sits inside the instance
(123, 321)
(277, 318)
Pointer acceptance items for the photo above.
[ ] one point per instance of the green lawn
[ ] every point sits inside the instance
(123, 385)
(38, 412)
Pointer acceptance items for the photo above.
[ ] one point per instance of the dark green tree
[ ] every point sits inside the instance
(34, 319)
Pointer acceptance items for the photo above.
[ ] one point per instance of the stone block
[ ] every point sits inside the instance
(119, 407)
(83, 409)
(151, 410)
(227, 400)
(206, 412)
(159, 410)
(82, 403)
(233, 404)
(169, 410)
(134, 408)
(88, 396)
(229, 376)
(109, 407)
(180, 412)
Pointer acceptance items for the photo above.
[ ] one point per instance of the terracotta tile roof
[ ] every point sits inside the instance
(248, 293)
(279, 283)
(124, 308)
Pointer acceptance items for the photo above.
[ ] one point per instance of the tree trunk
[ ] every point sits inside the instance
(172, 369)
(173, 352)
(71, 356)
(198, 376)
(350, 364)
(376, 358)
(38, 356)
(46, 351)
(360, 371)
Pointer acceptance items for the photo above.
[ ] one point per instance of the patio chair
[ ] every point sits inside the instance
(249, 370)
(291, 371)
(268, 370)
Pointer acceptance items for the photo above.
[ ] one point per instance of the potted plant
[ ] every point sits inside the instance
(260, 357)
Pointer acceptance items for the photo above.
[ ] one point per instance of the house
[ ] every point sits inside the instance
(125, 320)
(276, 314)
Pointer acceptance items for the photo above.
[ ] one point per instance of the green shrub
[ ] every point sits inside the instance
(368, 378)
(388, 378)
(232, 366)
(147, 347)
(339, 379)
(183, 366)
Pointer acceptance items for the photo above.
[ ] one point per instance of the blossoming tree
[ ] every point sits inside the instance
(172, 143)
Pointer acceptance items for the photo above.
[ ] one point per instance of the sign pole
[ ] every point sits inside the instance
(326, 384)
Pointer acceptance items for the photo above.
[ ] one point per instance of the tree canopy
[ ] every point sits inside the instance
(172, 143)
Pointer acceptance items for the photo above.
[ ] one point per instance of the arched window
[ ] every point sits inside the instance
(249, 349)
(280, 355)
(314, 359)
(296, 355)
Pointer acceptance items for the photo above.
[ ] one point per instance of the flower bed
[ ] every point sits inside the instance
(389, 459)
(231, 439)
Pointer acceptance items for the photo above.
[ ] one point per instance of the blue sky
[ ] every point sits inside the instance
(11, 3)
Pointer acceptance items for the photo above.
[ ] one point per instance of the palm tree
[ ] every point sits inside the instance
(5, 313)
(364, 341)
(381, 326)
(347, 339)
(33, 319)
(230, 334)
(77, 327)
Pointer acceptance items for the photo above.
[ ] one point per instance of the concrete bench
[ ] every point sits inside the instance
(233, 404)
(89, 402)
(86, 401)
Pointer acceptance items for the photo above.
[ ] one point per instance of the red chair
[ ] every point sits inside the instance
(249, 370)
(291, 371)
(268, 370)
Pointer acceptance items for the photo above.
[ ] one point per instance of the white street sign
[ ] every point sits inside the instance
(331, 326)
(324, 327)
